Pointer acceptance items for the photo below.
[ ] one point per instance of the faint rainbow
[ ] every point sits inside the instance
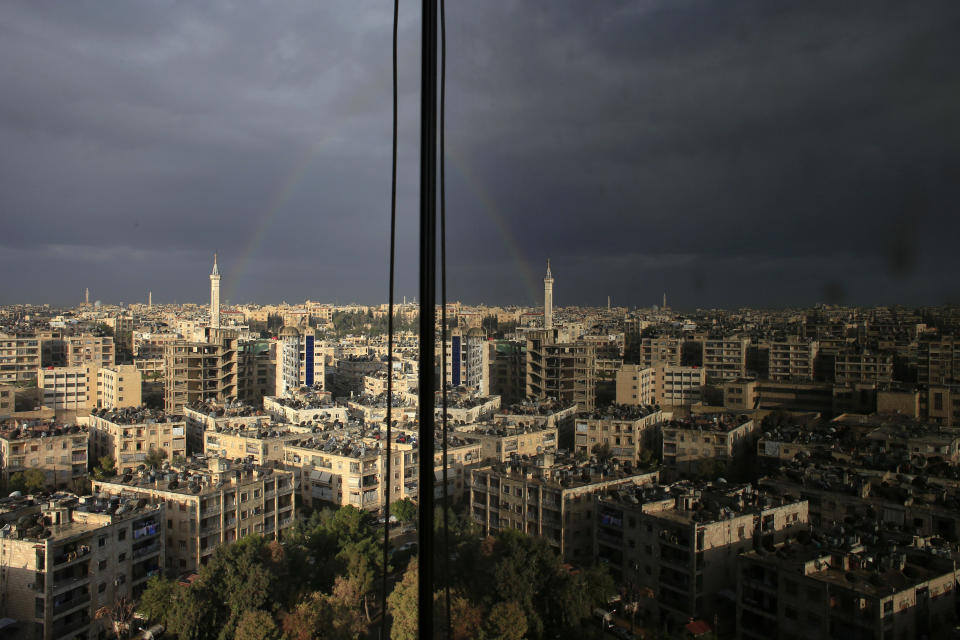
(278, 198)
(486, 200)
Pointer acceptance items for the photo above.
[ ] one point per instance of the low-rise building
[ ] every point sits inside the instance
(209, 503)
(62, 560)
(661, 385)
(815, 590)
(59, 451)
(680, 543)
(627, 430)
(547, 497)
(723, 438)
(129, 435)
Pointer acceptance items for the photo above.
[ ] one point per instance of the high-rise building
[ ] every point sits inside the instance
(215, 295)
(548, 299)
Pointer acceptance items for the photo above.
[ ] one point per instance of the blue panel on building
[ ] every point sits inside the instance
(308, 362)
(455, 360)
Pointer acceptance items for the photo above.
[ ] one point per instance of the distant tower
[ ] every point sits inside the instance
(548, 299)
(608, 303)
(664, 300)
(150, 300)
(215, 295)
(87, 296)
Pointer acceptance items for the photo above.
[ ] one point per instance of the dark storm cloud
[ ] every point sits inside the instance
(731, 153)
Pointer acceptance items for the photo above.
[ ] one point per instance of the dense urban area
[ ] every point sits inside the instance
(198, 471)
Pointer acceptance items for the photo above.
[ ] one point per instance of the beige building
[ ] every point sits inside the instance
(806, 591)
(117, 387)
(59, 451)
(725, 358)
(224, 368)
(564, 372)
(863, 367)
(63, 560)
(663, 350)
(211, 503)
(128, 435)
(663, 385)
(20, 357)
(939, 404)
(8, 400)
(257, 444)
(81, 388)
(210, 416)
(938, 361)
(547, 499)
(65, 388)
(501, 441)
(338, 468)
(627, 430)
(84, 350)
(680, 543)
(792, 359)
(723, 438)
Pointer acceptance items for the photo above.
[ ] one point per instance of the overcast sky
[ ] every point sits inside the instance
(731, 153)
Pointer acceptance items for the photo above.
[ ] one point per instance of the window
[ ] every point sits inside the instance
(101, 587)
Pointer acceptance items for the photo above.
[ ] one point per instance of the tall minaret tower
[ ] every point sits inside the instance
(548, 299)
(86, 297)
(150, 300)
(215, 295)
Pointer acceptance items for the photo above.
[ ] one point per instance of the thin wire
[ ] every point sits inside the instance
(443, 301)
(393, 235)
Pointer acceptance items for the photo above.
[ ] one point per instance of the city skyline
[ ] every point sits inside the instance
(718, 154)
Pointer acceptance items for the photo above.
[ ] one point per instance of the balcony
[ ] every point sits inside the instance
(67, 628)
(82, 552)
(64, 606)
(146, 550)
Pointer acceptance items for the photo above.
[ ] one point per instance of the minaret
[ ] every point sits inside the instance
(548, 299)
(215, 295)
(664, 300)
(87, 296)
(150, 300)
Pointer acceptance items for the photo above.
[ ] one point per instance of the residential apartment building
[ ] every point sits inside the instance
(938, 361)
(662, 385)
(224, 368)
(128, 435)
(564, 371)
(548, 497)
(863, 367)
(507, 373)
(792, 359)
(59, 451)
(725, 358)
(20, 358)
(8, 400)
(210, 503)
(501, 441)
(65, 388)
(679, 543)
(663, 350)
(811, 591)
(63, 560)
(84, 350)
(722, 438)
(627, 430)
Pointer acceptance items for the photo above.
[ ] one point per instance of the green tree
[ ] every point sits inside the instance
(603, 452)
(106, 469)
(405, 510)
(155, 458)
(402, 604)
(17, 483)
(156, 598)
(257, 624)
(506, 621)
(34, 480)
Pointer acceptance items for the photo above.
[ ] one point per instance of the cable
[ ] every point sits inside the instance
(428, 311)
(443, 302)
(393, 235)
